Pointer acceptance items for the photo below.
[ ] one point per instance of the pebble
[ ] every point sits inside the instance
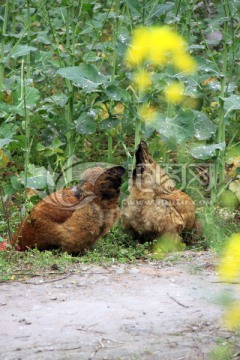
(133, 271)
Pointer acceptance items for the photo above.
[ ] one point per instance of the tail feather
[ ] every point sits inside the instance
(110, 181)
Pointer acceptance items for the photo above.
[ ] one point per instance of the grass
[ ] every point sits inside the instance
(225, 350)
(216, 226)
(118, 247)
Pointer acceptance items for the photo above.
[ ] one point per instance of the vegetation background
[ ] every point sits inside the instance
(67, 97)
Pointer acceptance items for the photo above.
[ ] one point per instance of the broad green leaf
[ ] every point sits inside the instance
(38, 178)
(204, 127)
(9, 190)
(15, 183)
(184, 126)
(36, 182)
(7, 131)
(32, 96)
(180, 128)
(116, 93)
(57, 143)
(21, 50)
(4, 142)
(85, 76)
(204, 152)
(231, 103)
(134, 5)
(51, 149)
(162, 9)
(85, 124)
(60, 100)
(90, 56)
(109, 124)
(42, 37)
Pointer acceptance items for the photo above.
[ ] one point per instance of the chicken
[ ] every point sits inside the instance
(74, 219)
(154, 206)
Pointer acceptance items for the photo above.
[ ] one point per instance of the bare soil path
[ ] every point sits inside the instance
(150, 310)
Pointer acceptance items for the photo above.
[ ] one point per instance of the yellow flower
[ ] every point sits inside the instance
(142, 79)
(159, 45)
(147, 113)
(232, 316)
(214, 104)
(138, 49)
(229, 268)
(184, 62)
(163, 42)
(174, 92)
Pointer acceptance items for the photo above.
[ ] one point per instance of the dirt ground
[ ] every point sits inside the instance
(149, 310)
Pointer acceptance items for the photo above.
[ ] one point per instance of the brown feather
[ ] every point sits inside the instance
(154, 205)
(74, 219)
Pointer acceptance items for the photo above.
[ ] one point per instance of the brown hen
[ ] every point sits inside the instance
(154, 206)
(74, 219)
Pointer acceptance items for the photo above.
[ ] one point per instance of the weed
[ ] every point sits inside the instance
(216, 225)
(116, 247)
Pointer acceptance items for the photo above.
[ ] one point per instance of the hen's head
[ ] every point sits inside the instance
(103, 184)
(148, 176)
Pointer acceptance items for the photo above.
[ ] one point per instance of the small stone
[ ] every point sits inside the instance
(133, 271)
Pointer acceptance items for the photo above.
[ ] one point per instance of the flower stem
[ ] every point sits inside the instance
(4, 29)
(221, 131)
(113, 71)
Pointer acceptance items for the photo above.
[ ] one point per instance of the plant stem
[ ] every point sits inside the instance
(70, 43)
(28, 39)
(177, 7)
(69, 136)
(26, 128)
(113, 73)
(138, 126)
(221, 132)
(182, 153)
(137, 132)
(6, 213)
(13, 17)
(4, 29)
(143, 12)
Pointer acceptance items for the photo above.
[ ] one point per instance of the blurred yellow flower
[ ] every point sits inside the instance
(159, 45)
(147, 112)
(138, 50)
(168, 243)
(163, 43)
(232, 316)
(142, 79)
(229, 268)
(184, 63)
(174, 92)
